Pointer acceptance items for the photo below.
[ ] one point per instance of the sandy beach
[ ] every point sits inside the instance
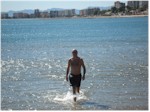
(122, 16)
(88, 17)
(93, 17)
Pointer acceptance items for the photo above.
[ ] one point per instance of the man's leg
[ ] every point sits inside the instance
(78, 89)
(74, 93)
(74, 90)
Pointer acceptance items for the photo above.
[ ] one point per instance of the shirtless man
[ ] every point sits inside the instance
(75, 76)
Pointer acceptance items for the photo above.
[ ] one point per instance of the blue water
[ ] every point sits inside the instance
(34, 55)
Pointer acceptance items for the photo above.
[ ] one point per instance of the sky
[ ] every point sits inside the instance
(7, 5)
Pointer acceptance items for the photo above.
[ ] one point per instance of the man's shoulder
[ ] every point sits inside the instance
(77, 58)
(70, 59)
(80, 58)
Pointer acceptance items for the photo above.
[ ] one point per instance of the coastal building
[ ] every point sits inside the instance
(118, 4)
(26, 15)
(90, 11)
(69, 12)
(133, 4)
(137, 4)
(83, 12)
(143, 4)
(93, 11)
(66, 13)
(20, 15)
(53, 14)
(31, 16)
(37, 13)
(61, 13)
(4, 15)
(73, 12)
(44, 15)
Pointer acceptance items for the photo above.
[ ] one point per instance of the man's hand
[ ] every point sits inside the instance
(66, 78)
(84, 69)
(83, 77)
(67, 70)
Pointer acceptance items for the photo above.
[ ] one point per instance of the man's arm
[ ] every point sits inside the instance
(84, 69)
(68, 68)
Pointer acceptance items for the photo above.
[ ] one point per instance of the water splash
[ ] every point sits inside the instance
(68, 98)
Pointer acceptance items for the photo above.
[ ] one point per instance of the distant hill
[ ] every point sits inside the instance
(55, 9)
(29, 11)
(105, 8)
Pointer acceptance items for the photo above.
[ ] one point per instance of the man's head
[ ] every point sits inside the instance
(74, 53)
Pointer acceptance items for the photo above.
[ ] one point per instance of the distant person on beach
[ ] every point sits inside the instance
(75, 76)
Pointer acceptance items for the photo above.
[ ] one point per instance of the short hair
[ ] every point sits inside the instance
(74, 51)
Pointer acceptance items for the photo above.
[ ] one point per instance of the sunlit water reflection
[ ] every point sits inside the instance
(34, 62)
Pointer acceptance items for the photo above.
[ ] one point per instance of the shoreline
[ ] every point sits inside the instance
(86, 17)
(124, 16)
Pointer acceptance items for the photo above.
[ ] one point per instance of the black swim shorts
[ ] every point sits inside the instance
(75, 80)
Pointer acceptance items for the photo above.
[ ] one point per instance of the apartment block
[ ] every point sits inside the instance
(119, 4)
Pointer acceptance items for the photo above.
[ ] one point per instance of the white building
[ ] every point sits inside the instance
(119, 4)
(143, 3)
(44, 14)
(133, 4)
(83, 12)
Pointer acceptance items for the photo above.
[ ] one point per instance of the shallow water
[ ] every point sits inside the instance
(34, 60)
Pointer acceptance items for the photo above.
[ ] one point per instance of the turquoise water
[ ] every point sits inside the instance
(34, 55)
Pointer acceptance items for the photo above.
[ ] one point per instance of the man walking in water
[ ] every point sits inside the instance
(75, 76)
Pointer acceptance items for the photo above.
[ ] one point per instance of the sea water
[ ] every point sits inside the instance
(35, 52)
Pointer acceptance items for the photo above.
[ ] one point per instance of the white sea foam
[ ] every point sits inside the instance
(68, 98)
